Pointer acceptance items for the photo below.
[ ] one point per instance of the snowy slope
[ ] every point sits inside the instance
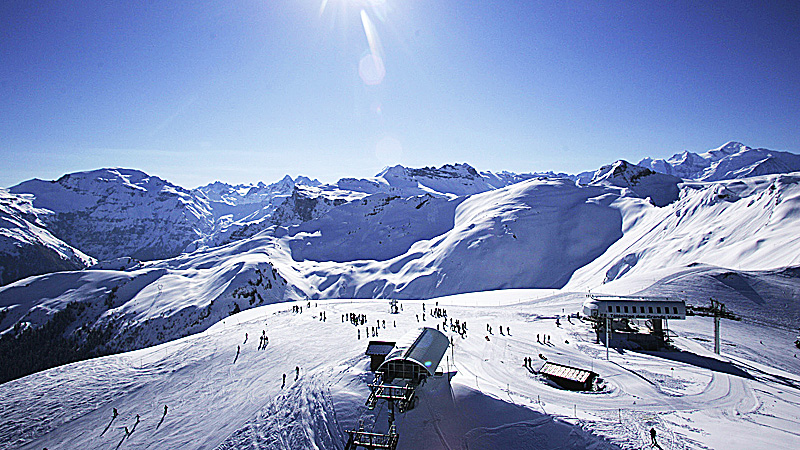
(111, 213)
(748, 224)
(26, 247)
(95, 312)
(223, 392)
(732, 160)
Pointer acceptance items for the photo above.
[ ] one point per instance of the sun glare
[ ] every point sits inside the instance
(371, 67)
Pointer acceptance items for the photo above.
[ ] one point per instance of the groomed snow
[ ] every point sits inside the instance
(218, 399)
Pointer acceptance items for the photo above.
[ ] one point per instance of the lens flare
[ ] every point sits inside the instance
(372, 35)
(371, 69)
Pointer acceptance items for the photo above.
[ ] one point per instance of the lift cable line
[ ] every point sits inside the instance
(718, 311)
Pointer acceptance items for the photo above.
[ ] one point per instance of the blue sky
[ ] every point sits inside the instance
(245, 90)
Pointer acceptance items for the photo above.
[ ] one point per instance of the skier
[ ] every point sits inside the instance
(165, 410)
(653, 437)
(114, 413)
(296, 372)
(245, 339)
(284, 381)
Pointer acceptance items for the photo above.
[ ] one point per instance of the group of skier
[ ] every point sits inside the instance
(128, 432)
(355, 319)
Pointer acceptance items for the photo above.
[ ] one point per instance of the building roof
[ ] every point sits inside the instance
(379, 348)
(616, 307)
(424, 346)
(567, 372)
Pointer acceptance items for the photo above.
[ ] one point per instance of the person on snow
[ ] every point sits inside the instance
(284, 381)
(296, 372)
(653, 437)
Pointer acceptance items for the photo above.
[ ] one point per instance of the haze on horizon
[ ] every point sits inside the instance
(249, 90)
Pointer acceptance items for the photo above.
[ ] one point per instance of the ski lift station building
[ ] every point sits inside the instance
(416, 355)
(605, 309)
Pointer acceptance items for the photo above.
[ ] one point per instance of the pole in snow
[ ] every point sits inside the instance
(608, 330)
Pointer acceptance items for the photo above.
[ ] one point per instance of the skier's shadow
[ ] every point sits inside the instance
(108, 426)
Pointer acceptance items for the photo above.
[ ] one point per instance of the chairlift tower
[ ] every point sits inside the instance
(718, 311)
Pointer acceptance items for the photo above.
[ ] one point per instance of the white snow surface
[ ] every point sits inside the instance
(223, 392)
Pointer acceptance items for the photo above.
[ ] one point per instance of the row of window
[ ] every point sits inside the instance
(641, 309)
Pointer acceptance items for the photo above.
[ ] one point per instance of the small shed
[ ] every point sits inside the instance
(377, 351)
(567, 377)
(416, 355)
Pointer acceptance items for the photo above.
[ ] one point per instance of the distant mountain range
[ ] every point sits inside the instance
(174, 261)
(732, 160)
(107, 214)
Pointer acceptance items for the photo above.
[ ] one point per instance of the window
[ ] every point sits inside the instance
(651, 309)
(617, 308)
(658, 309)
(609, 308)
(626, 309)
(641, 309)
(675, 309)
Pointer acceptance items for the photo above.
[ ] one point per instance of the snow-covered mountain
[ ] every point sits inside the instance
(642, 182)
(112, 213)
(242, 201)
(538, 233)
(450, 180)
(732, 160)
(420, 241)
(26, 247)
(100, 311)
(748, 224)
